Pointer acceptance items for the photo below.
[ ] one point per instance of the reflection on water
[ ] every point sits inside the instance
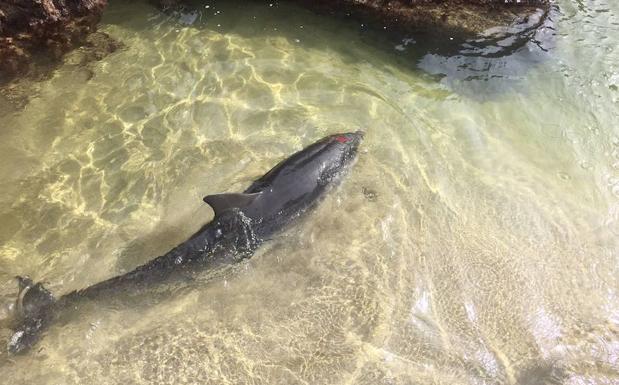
(475, 240)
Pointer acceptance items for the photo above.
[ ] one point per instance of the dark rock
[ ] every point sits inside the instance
(16, 93)
(463, 18)
(33, 31)
(435, 17)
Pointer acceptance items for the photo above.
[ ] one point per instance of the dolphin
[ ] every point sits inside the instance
(241, 223)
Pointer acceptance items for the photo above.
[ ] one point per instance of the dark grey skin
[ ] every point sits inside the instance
(241, 223)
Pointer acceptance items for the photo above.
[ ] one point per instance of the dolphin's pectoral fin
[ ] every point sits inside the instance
(222, 202)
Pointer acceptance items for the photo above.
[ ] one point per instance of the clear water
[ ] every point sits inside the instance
(474, 242)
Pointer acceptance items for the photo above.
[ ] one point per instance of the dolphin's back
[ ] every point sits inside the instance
(290, 165)
(294, 185)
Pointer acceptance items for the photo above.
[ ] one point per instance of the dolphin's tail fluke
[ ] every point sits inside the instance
(32, 314)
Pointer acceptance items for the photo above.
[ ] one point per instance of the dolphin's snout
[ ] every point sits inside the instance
(357, 138)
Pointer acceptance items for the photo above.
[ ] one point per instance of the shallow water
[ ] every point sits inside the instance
(474, 242)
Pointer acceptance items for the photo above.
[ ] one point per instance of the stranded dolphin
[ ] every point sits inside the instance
(241, 223)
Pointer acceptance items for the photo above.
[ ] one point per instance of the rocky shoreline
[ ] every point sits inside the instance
(464, 18)
(36, 33)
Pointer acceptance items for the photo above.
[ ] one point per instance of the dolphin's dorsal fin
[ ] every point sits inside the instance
(222, 202)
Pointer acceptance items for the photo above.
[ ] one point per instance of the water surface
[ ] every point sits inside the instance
(474, 242)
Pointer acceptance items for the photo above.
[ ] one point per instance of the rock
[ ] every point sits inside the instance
(34, 31)
(462, 18)
(16, 93)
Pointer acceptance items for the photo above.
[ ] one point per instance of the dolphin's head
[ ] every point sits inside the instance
(292, 186)
(343, 148)
(349, 143)
(330, 157)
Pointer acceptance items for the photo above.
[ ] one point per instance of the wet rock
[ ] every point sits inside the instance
(16, 91)
(462, 18)
(39, 32)
(95, 46)
(435, 17)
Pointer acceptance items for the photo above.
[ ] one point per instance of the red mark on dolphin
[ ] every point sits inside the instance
(342, 139)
